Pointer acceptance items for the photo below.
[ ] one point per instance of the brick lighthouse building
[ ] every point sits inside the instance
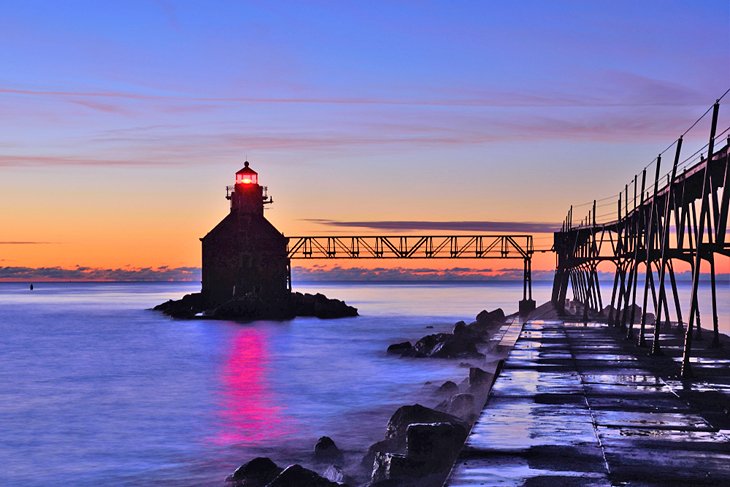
(245, 255)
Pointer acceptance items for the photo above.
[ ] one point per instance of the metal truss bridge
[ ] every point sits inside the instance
(421, 247)
(678, 217)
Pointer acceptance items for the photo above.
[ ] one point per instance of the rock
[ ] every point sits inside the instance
(407, 415)
(320, 306)
(486, 317)
(387, 445)
(462, 405)
(445, 345)
(326, 451)
(393, 466)
(460, 328)
(436, 443)
(298, 476)
(478, 377)
(431, 450)
(187, 307)
(403, 348)
(250, 306)
(429, 326)
(425, 345)
(333, 473)
(455, 347)
(448, 387)
(258, 472)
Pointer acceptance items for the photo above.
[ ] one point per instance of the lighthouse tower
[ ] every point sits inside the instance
(245, 255)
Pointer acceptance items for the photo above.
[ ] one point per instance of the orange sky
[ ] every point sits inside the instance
(117, 145)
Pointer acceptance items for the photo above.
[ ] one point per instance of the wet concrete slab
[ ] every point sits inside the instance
(579, 405)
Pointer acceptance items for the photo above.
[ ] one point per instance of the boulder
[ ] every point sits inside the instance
(478, 377)
(395, 466)
(446, 345)
(334, 473)
(320, 306)
(407, 415)
(403, 348)
(485, 317)
(436, 443)
(463, 406)
(387, 445)
(448, 387)
(460, 328)
(425, 345)
(187, 307)
(326, 451)
(431, 450)
(256, 473)
(298, 476)
(455, 347)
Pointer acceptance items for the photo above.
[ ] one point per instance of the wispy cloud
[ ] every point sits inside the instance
(8, 160)
(456, 226)
(27, 242)
(634, 90)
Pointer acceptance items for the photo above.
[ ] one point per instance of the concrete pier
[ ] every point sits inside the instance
(581, 405)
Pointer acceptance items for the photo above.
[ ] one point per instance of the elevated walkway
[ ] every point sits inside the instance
(579, 405)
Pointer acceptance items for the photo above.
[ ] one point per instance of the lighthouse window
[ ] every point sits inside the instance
(246, 178)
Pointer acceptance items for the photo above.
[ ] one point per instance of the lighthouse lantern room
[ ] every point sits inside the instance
(247, 175)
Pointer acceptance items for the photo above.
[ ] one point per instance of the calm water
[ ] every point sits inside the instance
(95, 389)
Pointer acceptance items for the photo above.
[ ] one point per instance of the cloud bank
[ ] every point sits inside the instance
(456, 226)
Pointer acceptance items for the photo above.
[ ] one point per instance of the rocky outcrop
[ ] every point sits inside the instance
(256, 473)
(448, 388)
(252, 307)
(326, 450)
(404, 348)
(298, 476)
(263, 472)
(396, 430)
(187, 307)
(407, 415)
(461, 343)
(320, 306)
(430, 451)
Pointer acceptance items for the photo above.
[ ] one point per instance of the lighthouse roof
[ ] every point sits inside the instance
(246, 169)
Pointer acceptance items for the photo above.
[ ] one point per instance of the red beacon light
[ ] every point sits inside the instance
(247, 175)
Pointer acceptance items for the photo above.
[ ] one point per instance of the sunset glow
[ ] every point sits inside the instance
(118, 142)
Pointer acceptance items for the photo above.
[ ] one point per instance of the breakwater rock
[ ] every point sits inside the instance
(461, 343)
(419, 448)
(252, 307)
(263, 472)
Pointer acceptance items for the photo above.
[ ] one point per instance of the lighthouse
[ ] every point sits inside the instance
(245, 255)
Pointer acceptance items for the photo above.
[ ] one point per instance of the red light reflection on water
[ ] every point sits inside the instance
(247, 410)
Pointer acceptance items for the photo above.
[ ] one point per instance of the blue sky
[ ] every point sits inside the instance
(128, 118)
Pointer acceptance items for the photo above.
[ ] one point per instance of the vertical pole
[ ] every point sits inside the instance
(686, 368)
(524, 279)
(663, 247)
(715, 330)
(612, 309)
(694, 233)
(675, 292)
